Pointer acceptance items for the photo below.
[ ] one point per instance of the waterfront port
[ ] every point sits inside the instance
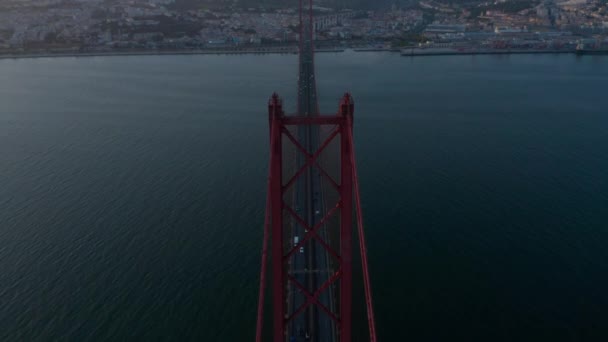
(508, 46)
(592, 47)
(451, 51)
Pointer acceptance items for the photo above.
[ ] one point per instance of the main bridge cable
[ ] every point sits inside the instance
(362, 248)
(260, 320)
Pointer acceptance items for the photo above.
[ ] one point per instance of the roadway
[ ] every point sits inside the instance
(310, 265)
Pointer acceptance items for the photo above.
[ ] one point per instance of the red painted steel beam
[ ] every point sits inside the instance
(348, 190)
(312, 232)
(362, 248)
(346, 220)
(272, 103)
(314, 298)
(328, 177)
(276, 205)
(260, 320)
(296, 143)
(309, 156)
(312, 159)
(312, 120)
(310, 300)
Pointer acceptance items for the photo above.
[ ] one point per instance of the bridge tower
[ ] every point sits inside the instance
(310, 231)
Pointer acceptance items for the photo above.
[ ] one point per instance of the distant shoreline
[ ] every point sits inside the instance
(422, 52)
(284, 51)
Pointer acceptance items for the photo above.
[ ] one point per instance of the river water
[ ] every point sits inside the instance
(132, 194)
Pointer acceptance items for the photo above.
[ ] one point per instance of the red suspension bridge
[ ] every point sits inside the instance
(312, 209)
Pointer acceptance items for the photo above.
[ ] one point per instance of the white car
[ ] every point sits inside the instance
(301, 249)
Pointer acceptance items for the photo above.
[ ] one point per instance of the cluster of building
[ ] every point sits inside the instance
(550, 24)
(107, 25)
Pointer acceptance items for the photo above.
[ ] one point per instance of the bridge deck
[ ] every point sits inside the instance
(310, 202)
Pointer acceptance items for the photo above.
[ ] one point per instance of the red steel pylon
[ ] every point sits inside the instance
(340, 124)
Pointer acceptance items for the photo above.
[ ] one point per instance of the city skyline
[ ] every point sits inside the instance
(62, 26)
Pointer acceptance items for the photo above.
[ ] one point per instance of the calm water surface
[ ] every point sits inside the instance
(132, 193)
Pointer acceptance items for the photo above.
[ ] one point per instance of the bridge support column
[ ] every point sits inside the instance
(275, 112)
(346, 219)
